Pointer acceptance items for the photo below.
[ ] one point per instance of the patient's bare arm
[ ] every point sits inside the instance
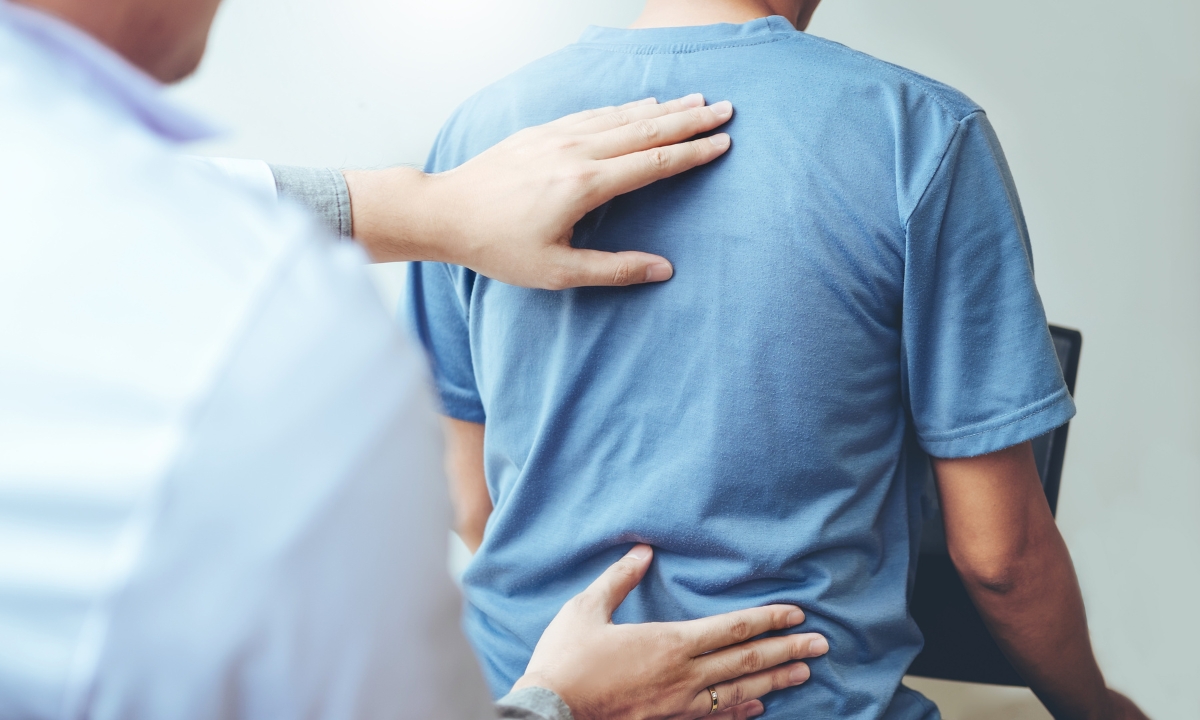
(1013, 561)
(468, 484)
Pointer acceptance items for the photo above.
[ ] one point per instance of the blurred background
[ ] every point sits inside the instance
(1097, 103)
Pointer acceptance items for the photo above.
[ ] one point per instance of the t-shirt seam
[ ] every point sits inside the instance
(1043, 404)
(937, 170)
(683, 48)
(918, 80)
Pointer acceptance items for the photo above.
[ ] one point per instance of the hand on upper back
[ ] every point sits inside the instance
(662, 670)
(515, 205)
(510, 212)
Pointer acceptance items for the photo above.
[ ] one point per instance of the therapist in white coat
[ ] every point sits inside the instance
(220, 482)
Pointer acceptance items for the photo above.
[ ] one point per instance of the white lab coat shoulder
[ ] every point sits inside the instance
(214, 444)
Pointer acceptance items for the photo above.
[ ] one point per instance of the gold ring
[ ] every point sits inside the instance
(713, 691)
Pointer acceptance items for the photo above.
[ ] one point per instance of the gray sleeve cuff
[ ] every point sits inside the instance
(533, 704)
(322, 190)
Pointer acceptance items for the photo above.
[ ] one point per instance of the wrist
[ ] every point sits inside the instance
(397, 215)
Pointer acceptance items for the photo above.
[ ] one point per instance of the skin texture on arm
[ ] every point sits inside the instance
(1016, 567)
(468, 483)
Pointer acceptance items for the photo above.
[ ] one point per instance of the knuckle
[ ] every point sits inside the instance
(751, 660)
(698, 116)
(625, 570)
(676, 642)
(565, 143)
(781, 678)
(739, 628)
(647, 129)
(620, 118)
(580, 177)
(623, 274)
(659, 159)
(736, 696)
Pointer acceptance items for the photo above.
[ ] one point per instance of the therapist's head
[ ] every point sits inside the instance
(166, 38)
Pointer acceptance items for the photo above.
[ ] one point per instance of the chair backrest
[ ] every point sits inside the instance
(958, 645)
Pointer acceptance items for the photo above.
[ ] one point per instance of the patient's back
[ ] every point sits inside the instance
(853, 289)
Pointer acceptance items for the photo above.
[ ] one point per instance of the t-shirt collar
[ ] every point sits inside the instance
(140, 95)
(720, 34)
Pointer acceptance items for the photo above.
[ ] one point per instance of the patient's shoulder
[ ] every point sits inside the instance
(853, 67)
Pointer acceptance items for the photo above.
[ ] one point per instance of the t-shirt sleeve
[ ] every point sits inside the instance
(979, 368)
(437, 306)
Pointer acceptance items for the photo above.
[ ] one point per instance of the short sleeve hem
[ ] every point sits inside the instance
(1029, 422)
(460, 406)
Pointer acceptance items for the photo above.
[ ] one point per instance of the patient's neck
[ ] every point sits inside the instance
(682, 13)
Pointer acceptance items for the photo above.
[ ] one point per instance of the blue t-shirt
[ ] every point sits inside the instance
(853, 289)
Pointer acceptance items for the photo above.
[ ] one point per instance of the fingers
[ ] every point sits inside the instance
(653, 132)
(628, 114)
(582, 268)
(579, 117)
(721, 631)
(758, 656)
(609, 590)
(627, 173)
(741, 692)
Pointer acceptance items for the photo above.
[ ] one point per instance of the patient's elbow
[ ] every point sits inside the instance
(993, 571)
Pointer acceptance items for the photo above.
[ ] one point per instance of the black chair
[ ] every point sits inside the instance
(958, 645)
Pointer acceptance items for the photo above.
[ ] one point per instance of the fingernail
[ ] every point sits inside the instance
(659, 272)
(723, 109)
(640, 552)
(818, 645)
(795, 617)
(799, 673)
(648, 101)
(754, 708)
(693, 100)
(720, 140)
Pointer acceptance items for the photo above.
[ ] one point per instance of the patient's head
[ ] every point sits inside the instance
(166, 38)
(675, 13)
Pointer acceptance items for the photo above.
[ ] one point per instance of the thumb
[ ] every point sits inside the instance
(609, 590)
(595, 268)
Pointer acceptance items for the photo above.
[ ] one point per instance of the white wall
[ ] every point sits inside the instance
(1098, 105)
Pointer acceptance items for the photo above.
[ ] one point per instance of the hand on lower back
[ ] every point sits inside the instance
(509, 213)
(663, 670)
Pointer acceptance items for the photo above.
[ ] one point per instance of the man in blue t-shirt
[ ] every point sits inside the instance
(853, 295)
